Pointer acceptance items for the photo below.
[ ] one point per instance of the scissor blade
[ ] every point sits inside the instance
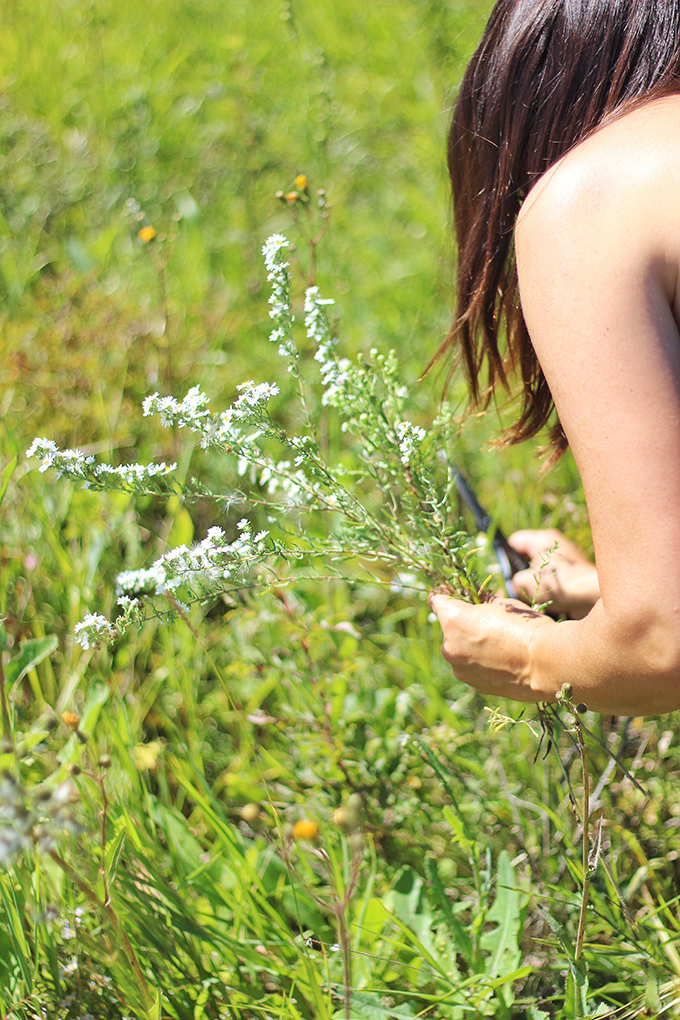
(481, 517)
(509, 559)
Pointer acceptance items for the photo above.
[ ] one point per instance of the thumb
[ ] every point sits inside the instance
(444, 606)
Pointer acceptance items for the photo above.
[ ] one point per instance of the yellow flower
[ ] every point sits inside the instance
(146, 755)
(146, 234)
(306, 829)
(301, 182)
(292, 196)
(70, 719)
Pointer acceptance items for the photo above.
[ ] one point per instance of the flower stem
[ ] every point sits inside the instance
(112, 917)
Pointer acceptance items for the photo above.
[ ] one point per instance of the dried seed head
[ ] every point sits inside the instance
(581, 708)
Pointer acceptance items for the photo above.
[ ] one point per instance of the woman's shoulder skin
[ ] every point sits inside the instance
(598, 250)
(620, 185)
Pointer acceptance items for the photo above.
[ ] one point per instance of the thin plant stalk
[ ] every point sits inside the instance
(4, 706)
(585, 842)
(565, 697)
(112, 917)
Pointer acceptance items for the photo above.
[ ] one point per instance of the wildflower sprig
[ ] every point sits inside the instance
(74, 464)
(387, 497)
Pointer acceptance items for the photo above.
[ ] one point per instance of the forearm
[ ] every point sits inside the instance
(617, 664)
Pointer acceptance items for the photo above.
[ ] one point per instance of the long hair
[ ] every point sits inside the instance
(546, 74)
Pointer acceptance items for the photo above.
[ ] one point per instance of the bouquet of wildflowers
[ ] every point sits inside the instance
(388, 498)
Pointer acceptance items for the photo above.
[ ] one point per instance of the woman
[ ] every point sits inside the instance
(564, 157)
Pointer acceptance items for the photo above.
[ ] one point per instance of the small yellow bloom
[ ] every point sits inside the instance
(301, 182)
(146, 756)
(70, 719)
(146, 234)
(306, 829)
(292, 196)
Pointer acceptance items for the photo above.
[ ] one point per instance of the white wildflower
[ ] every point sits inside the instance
(93, 629)
(410, 438)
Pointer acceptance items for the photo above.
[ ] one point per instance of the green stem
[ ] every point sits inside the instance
(585, 847)
(112, 917)
(4, 706)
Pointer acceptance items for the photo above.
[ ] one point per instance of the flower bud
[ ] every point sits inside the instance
(306, 830)
(565, 693)
(104, 761)
(73, 768)
(355, 808)
(250, 813)
(341, 817)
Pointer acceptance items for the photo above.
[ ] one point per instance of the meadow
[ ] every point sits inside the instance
(277, 802)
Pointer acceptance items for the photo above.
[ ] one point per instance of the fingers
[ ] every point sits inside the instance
(535, 542)
(525, 583)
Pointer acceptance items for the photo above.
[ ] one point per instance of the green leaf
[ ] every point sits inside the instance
(458, 828)
(114, 849)
(368, 1006)
(5, 476)
(501, 943)
(578, 972)
(31, 653)
(462, 940)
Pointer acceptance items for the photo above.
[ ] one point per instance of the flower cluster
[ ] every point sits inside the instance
(74, 464)
(410, 438)
(205, 568)
(280, 310)
(213, 559)
(389, 493)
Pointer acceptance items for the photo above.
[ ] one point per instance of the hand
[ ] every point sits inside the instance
(489, 646)
(559, 573)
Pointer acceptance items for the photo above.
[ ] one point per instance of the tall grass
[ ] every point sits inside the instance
(438, 871)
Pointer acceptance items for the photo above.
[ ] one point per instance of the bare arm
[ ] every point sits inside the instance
(597, 256)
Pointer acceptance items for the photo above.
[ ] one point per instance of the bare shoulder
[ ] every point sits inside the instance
(619, 189)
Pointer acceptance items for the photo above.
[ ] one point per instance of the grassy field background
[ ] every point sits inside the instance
(439, 871)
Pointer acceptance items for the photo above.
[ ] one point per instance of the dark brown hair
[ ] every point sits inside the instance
(546, 74)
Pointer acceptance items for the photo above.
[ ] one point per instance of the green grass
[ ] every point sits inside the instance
(463, 857)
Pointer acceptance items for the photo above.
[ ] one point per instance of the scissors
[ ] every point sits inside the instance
(509, 560)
